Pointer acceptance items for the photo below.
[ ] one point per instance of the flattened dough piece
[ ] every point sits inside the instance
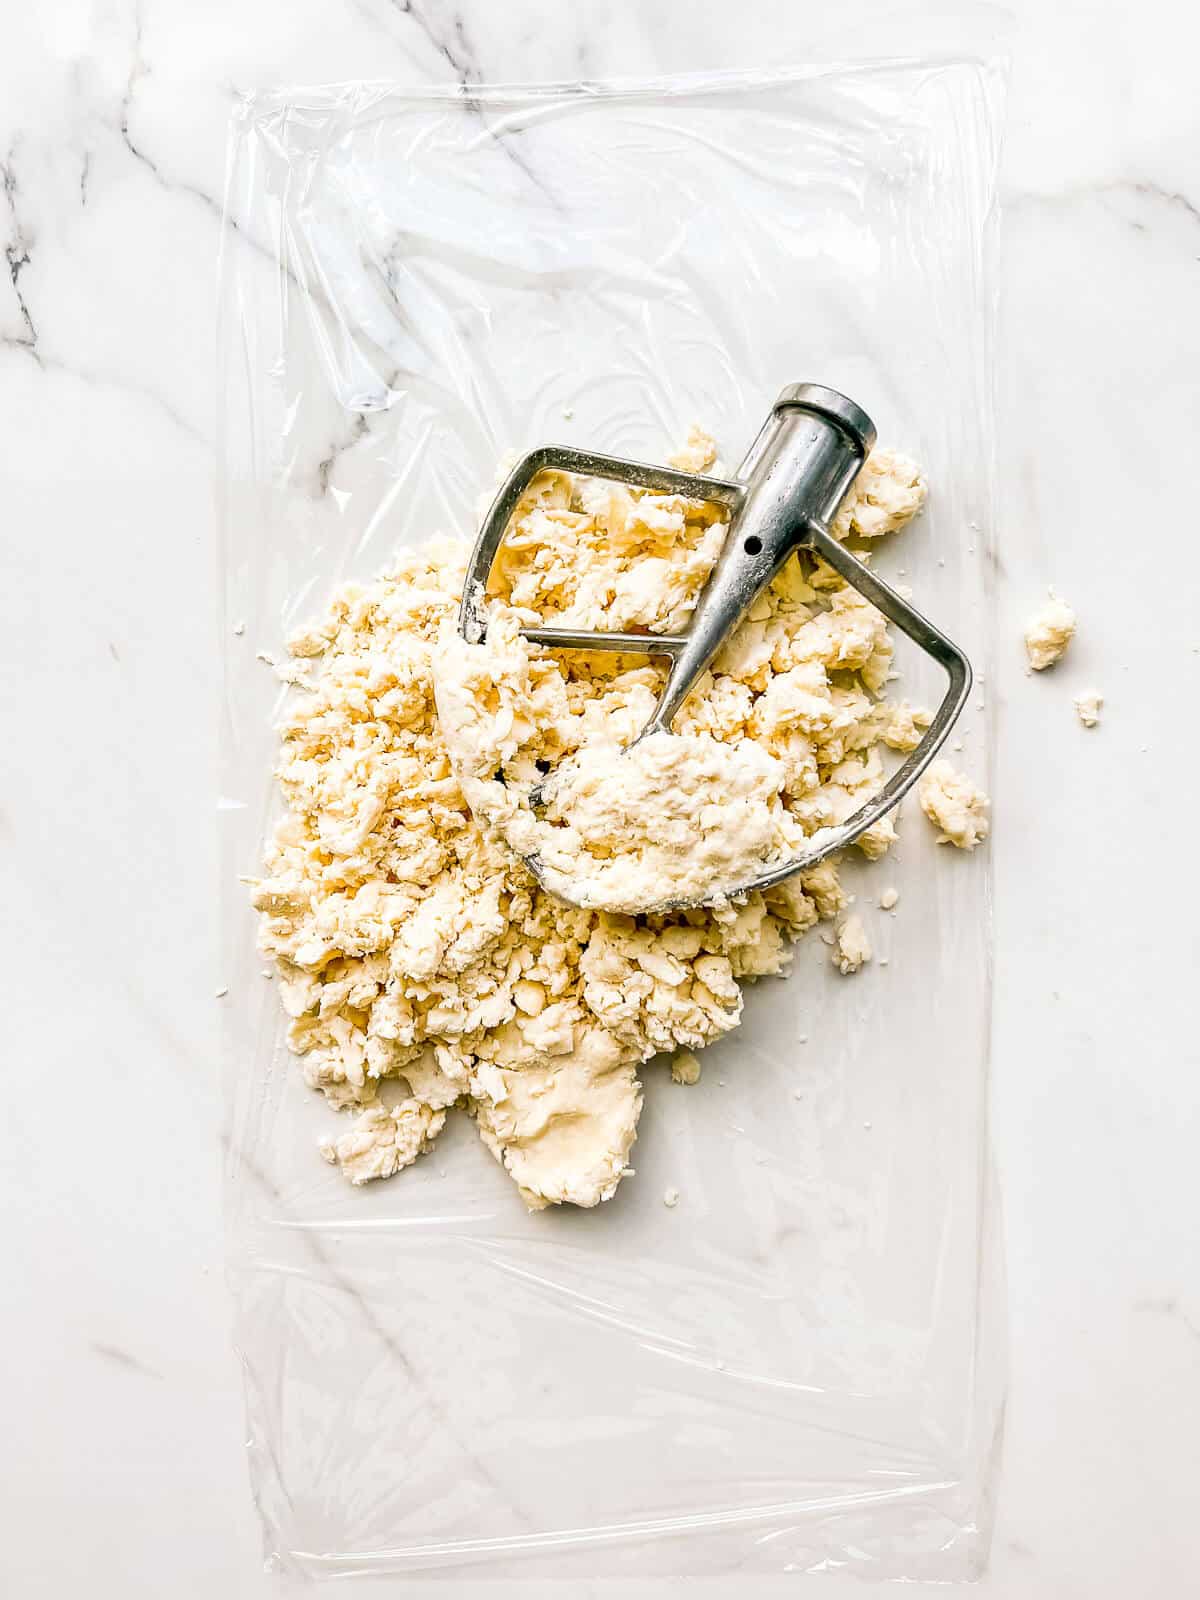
(563, 1131)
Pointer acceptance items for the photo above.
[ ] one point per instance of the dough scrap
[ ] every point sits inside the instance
(699, 454)
(1088, 706)
(685, 1068)
(955, 805)
(889, 491)
(851, 946)
(382, 1141)
(1048, 633)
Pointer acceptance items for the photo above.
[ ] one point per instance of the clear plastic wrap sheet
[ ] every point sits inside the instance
(797, 1367)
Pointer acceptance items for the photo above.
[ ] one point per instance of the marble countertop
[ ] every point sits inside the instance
(124, 1471)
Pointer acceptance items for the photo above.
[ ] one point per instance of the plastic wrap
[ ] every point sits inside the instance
(798, 1366)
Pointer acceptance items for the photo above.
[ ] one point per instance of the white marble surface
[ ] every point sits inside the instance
(123, 1469)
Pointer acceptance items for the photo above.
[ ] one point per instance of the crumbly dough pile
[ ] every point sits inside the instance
(1048, 633)
(411, 946)
(420, 963)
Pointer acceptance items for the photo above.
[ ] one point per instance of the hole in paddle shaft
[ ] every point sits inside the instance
(753, 545)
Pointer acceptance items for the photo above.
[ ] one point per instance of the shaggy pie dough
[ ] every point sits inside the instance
(413, 947)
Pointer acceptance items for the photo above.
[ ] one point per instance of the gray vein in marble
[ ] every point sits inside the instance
(359, 428)
(1168, 1306)
(455, 49)
(104, 380)
(16, 253)
(137, 71)
(1170, 197)
(118, 1356)
(1137, 188)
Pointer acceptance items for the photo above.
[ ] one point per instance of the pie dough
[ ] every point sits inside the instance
(421, 965)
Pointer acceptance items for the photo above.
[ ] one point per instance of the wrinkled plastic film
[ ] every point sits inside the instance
(798, 1366)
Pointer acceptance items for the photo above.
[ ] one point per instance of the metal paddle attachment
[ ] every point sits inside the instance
(786, 492)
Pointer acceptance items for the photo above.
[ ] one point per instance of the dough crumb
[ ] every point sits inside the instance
(295, 673)
(312, 639)
(671, 1197)
(889, 491)
(889, 899)
(955, 805)
(852, 947)
(876, 840)
(904, 726)
(383, 1140)
(685, 1068)
(1048, 633)
(698, 454)
(1087, 707)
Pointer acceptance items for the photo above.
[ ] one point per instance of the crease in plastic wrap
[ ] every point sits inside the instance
(799, 1366)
